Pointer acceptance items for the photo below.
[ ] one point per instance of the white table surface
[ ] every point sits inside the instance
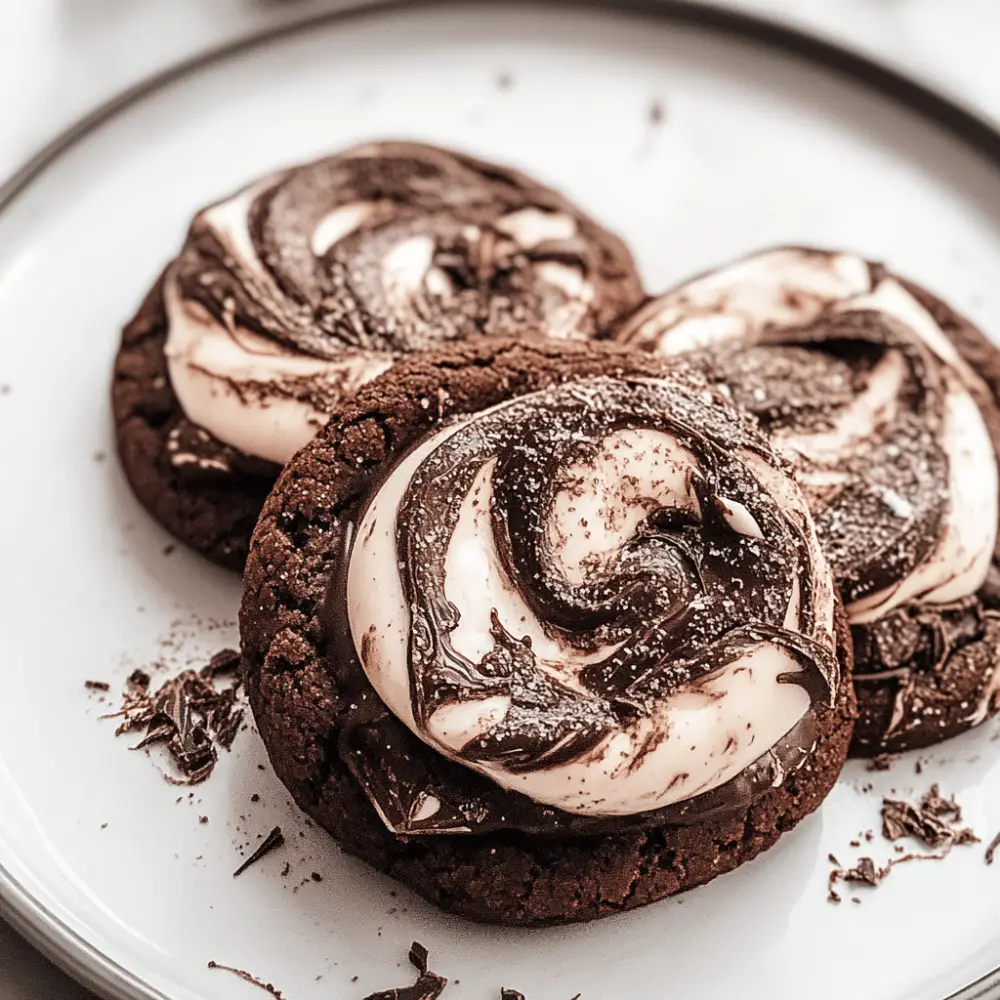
(59, 58)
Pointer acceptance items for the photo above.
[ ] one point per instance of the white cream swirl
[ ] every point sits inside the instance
(607, 597)
(301, 287)
(750, 303)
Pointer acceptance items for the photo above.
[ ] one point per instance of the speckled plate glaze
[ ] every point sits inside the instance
(698, 135)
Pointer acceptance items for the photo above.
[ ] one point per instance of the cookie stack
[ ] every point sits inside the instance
(561, 598)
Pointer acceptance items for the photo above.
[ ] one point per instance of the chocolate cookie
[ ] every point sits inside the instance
(544, 632)
(886, 400)
(295, 291)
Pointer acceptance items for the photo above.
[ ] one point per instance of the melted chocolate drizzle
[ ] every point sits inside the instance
(339, 299)
(686, 595)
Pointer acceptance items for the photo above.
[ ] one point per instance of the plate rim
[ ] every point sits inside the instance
(936, 104)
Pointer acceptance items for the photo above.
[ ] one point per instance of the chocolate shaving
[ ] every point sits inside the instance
(247, 978)
(429, 985)
(992, 849)
(271, 842)
(928, 823)
(187, 714)
(97, 685)
(865, 870)
(900, 819)
(935, 804)
(966, 836)
(223, 662)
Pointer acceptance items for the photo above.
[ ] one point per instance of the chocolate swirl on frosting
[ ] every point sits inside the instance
(861, 407)
(301, 287)
(607, 598)
(893, 436)
(864, 393)
(397, 247)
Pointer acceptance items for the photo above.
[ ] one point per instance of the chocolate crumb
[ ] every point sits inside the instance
(832, 895)
(855, 843)
(316, 877)
(992, 849)
(97, 685)
(287, 868)
(506, 994)
(881, 762)
(169, 550)
(247, 978)
(270, 843)
(255, 797)
(138, 679)
(918, 767)
(429, 985)
(856, 899)
(354, 979)
(104, 826)
(202, 819)
(865, 871)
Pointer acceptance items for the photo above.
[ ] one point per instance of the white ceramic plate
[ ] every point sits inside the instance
(754, 147)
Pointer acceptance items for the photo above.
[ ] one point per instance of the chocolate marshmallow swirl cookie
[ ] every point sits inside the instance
(545, 632)
(295, 291)
(880, 395)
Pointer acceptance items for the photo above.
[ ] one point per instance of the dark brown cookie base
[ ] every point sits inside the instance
(942, 687)
(213, 510)
(298, 694)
